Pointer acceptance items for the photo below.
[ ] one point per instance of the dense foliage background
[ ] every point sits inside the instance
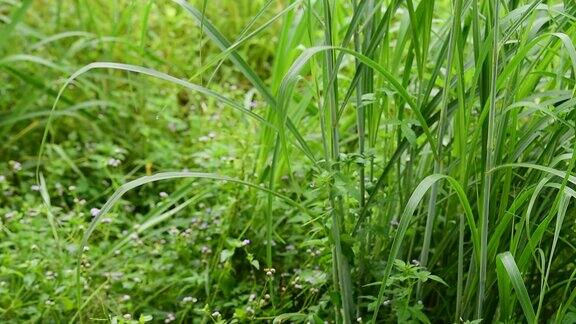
(288, 161)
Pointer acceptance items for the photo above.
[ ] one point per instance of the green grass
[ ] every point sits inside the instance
(287, 161)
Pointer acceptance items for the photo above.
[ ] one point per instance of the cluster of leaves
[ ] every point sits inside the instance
(298, 209)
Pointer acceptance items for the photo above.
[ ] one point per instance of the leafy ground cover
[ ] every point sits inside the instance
(287, 161)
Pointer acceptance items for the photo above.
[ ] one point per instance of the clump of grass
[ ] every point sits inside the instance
(420, 152)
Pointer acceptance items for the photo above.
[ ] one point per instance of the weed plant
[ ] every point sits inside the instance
(288, 161)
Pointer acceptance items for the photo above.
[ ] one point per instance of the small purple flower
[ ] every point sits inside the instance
(94, 212)
(114, 162)
(16, 166)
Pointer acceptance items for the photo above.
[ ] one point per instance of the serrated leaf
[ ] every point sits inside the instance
(226, 254)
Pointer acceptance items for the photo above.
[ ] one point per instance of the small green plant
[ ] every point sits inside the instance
(126, 319)
(283, 161)
(399, 293)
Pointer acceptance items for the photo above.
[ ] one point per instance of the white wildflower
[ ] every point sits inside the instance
(189, 299)
(50, 275)
(170, 317)
(9, 215)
